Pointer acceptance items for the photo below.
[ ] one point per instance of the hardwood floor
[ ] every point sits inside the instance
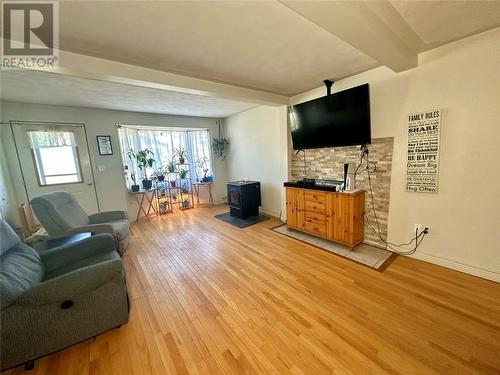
(210, 298)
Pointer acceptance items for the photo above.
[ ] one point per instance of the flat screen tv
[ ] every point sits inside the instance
(340, 119)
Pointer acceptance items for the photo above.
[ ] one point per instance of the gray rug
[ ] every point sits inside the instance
(367, 255)
(240, 223)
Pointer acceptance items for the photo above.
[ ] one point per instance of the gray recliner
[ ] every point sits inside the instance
(61, 215)
(58, 298)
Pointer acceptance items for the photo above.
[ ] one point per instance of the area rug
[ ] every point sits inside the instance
(367, 255)
(241, 223)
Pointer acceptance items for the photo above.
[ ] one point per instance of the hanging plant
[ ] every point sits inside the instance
(219, 145)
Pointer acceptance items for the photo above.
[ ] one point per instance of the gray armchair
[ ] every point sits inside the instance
(57, 298)
(61, 215)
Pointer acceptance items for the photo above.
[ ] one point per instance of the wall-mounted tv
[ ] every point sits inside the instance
(340, 119)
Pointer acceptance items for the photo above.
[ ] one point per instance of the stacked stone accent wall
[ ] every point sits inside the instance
(328, 163)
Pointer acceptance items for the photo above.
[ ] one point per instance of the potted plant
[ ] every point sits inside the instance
(181, 155)
(183, 173)
(143, 159)
(219, 147)
(134, 187)
(184, 189)
(202, 164)
(185, 203)
(171, 166)
(159, 174)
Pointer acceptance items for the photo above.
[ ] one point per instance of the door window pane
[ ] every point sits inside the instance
(56, 157)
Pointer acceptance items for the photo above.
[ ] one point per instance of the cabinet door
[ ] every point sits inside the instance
(295, 208)
(358, 218)
(300, 211)
(291, 207)
(342, 211)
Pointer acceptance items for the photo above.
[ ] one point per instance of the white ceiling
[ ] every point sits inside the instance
(441, 22)
(48, 88)
(264, 45)
(255, 44)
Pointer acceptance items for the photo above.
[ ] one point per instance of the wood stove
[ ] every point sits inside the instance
(243, 198)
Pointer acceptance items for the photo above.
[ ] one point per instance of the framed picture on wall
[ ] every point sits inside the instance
(104, 145)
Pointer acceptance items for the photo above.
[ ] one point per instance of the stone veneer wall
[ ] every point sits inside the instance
(328, 163)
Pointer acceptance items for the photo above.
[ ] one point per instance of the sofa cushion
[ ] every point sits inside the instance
(8, 238)
(121, 229)
(20, 270)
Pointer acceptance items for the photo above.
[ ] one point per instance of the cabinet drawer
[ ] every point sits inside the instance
(315, 196)
(316, 207)
(315, 229)
(315, 216)
(315, 222)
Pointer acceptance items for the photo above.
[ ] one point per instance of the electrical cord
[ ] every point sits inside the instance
(377, 231)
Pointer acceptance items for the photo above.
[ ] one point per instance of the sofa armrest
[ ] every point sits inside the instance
(59, 256)
(106, 217)
(94, 228)
(72, 284)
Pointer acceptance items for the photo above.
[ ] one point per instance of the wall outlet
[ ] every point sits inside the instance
(419, 228)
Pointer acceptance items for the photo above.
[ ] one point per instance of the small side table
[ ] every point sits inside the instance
(141, 196)
(44, 245)
(208, 185)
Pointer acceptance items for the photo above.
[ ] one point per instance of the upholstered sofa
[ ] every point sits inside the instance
(57, 298)
(61, 215)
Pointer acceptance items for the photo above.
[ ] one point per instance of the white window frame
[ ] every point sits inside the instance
(42, 177)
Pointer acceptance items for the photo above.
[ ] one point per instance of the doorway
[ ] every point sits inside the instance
(55, 156)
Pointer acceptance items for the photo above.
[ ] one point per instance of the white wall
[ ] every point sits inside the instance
(110, 187)
(8, 202)
(257, 150)
(463, 79)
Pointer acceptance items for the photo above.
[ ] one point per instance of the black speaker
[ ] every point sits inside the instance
(346, 170)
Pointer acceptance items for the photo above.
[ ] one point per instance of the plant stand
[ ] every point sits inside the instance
(163, 197)
(143, 197)
(208, 185)
(175, 191)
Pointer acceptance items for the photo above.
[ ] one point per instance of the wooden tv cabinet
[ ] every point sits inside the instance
(325, 213)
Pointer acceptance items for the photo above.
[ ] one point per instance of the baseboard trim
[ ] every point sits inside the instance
(479, 272)
(451, 264)
(273, 215)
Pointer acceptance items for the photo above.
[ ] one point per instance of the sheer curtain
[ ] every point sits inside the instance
(164, 143)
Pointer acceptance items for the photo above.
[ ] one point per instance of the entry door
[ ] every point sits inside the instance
(56, 157)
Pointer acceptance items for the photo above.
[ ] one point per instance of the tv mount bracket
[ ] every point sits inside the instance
(328, 85)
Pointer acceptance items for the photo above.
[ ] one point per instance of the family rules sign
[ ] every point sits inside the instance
(422, 161)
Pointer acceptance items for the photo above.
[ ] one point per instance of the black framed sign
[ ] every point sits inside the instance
(104, 145)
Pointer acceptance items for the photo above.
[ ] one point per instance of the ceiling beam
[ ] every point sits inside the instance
(356, 24)
(89, 67)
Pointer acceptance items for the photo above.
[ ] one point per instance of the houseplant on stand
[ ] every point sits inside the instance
(183, 173)
(202, 164)
(143, 159)
(181, 155)
(159, 174)
(171, 172)
(134, 187)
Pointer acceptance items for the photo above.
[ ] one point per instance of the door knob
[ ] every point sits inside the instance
(89, 184)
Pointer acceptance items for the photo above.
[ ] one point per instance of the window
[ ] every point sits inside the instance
(55, 156)
(164, 143)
